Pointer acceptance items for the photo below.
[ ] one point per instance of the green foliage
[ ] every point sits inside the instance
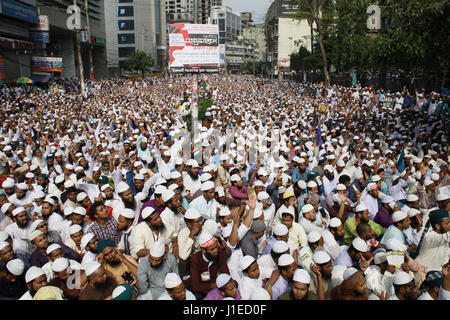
(139, 61)
(203, 104)
(305, 60)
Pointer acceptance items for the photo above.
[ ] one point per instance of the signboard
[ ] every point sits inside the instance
(46, 64)
(38, 36)
(15, 44)
(235, 61)
(194, 47)
(43, 24)
(20, 11)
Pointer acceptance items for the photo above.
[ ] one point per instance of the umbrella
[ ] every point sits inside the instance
(23, 80)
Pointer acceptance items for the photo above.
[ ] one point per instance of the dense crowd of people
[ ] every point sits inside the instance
(284, 191)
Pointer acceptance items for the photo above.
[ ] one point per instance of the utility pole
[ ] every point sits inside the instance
(91, 64)
(80, 61)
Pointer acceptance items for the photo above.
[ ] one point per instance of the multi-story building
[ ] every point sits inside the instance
(246, 19)
(284, 35)
(135, 25)
(202, 10)
(180, 11)
(256, 35)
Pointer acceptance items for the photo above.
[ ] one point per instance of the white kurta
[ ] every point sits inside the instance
(435, 251)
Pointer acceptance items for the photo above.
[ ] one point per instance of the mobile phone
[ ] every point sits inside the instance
(127, 277)
(323, 213)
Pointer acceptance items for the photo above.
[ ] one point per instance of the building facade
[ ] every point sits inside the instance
(284, 36)
(135, 25)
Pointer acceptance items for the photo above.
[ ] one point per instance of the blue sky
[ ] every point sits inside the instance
(258, 8)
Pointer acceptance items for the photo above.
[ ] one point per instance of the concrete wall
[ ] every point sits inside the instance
(289, 31)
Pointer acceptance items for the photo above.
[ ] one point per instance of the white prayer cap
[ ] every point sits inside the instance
(280, 229)
(53, 247)
(39, 194)
(435, 177)
(220, 191)
(349, 272)
(301, 184)
(74, 229)
(442, 196)
(5, 206)
(172, 280)
(341, 187)
(159, 189)
(375, 178)
(167, 195)
(398, 216)
(358, 174)
(50, 200)
(372, 186)
(222, 279)
(307, 208)
(312, 184)
(235, 178)
(127, 213)
(210, 226)
(257, 213)
(359, 244)
(92, 267)
(139, 176)
(33, 167)
(387, 199)
(285, 260)
(280, 246)
(85, 239)
(412, 198)
(192, 214)
(340, 163)
(60, 264)
(8, 183)
(59, 179)
(205, 177)
(395, 244)
(18, 210)
(3, 235)
(29, 175)
(224, 211)
(335, 222)
(34, 234)
(263, 196)
(246, 261)
(16, 267)
(226, 232)
(22, 186)
(4, 244)
(33, 273)
(207, 185)
(147, 212)
(80, 211)
(428, 182)
(175, 174)
(69, 166)
(104, 187)
(206, 239)
(313, 236)
(402, 277)
(302, 276)
(379, 256)
(321, 257)
(259, 293)
(361, 207)
(121, 187)
(81, 196)
(258, 183)
(413, 212)
(157, 249)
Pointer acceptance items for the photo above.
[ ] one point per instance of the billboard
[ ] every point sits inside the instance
(47, 64)
(194, 47)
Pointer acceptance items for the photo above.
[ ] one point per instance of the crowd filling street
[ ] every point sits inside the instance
(282, 191)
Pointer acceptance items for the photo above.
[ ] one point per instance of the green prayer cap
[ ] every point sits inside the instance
(102, 244)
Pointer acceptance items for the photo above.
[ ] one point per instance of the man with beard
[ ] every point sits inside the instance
(101, 284)
(187, 240)
(404, 287)
(352, 288)
(42, 180)
(206, 265)
(330, 180)
(175, 289)
(7, 209)
(153, 269)
(7, 253)
(35, 279)
(156, 203)
(205, 203)
(128, 201)
(151, 230)
(125, 225)
(361, 215)
(172, 215)
(12, 283)
(8, 187)
(89, 243)
(301, 171)
(104, 226)
(71, 196)
(325, 266)
(62, 270)
(22, 198)
(301, 284)
(53, 219)
(191, 180)
(120, 265)
(21, 228)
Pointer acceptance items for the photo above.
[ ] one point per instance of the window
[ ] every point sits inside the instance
(123, 11)
(125, 38)
(126, 24)
(222, 24)
(125, 51)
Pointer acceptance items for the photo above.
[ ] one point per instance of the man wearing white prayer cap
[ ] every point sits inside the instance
(61, 276)
(353, 254)
(401, 222)
(22, 197)
(13, 283)
(287, 267)
(100, 283)
(324, 265)
(404, 286)
(205, 203)
(226, 287)
(21, 228)
(175, 289)
(153, 269)
(251, 278)
(35, 278)
(300, 287)
(361, 215)
(126, 227)
(89, 244)
(260, 294)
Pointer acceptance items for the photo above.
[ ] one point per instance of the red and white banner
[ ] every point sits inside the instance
(194, 45)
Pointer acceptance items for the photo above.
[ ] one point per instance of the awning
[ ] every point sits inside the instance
(36, 77)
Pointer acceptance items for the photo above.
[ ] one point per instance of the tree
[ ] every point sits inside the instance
(304, 60)
(320, 13)
(139, 61)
